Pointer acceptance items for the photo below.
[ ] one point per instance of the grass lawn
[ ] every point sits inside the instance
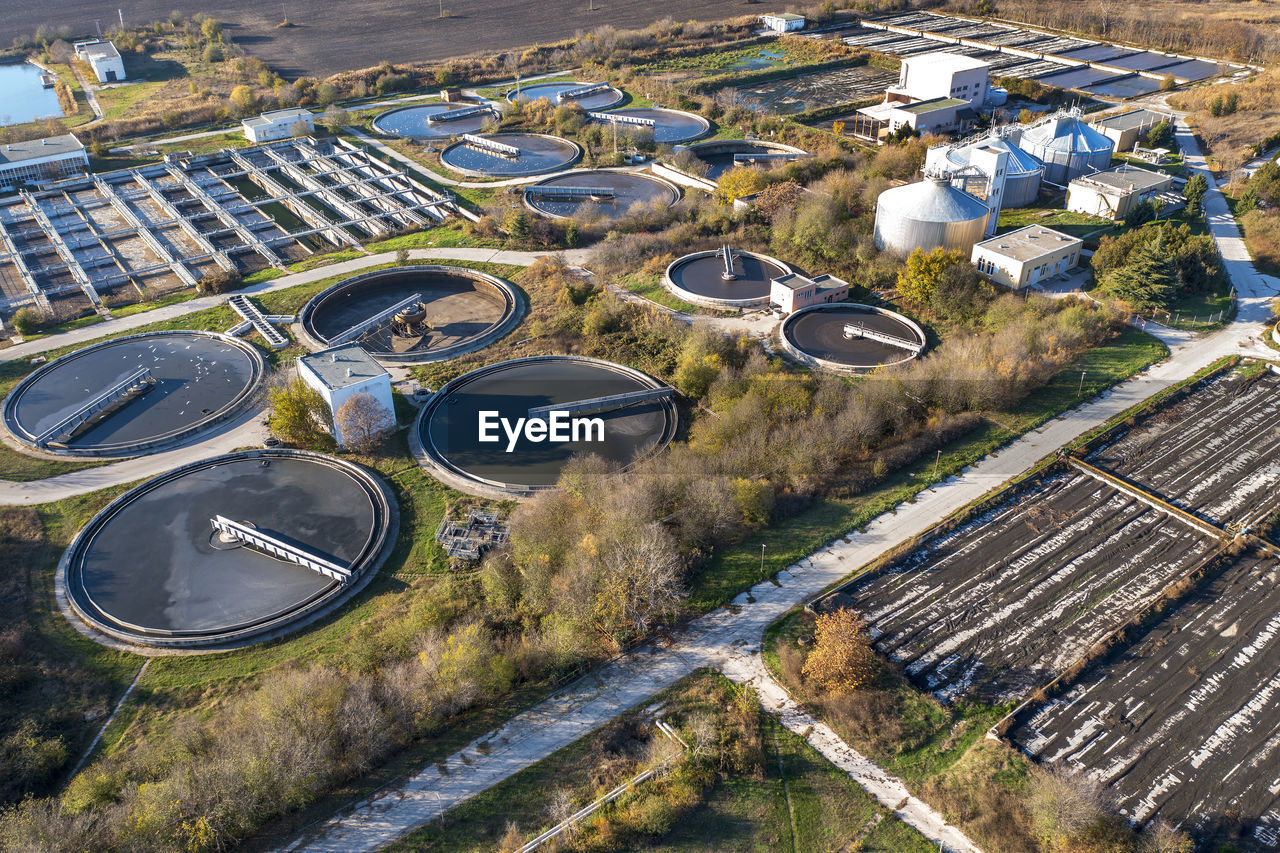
(796, 801)
(1075, 224)
(732, 569)
(780, 53)
(650, 287)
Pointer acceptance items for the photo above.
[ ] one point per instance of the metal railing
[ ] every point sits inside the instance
(593, 405)
(859, 331)
(457, 115)
(489, 146)
(282, 550)
(580, 92)
(246, 309)
(551, 191)
(381, 317)
(618, 118)
(117, 395)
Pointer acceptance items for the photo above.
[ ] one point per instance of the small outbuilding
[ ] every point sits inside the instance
(793, 292)
(277, 124)
(103, 58)
(1125, 129)
(783, 22)
(1027, 256)
(1115, 192)
(341, 373)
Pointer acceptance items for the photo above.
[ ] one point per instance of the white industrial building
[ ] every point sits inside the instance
(277, 124)
(1115, 192)
(783, 22)
(38, 160)
(794, 291)
(341, 373)
(1127, 128)
(936, 115)
(941, 75)
(103, 58)
(1027, 256)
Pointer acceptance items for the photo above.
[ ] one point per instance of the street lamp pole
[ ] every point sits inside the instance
(762, 547)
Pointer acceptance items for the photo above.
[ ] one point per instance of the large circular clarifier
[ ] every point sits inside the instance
(593, 97)
(98, 401)
(703, 278)
(447, 438)
(458, 310)
(434, 121)
(590, 195)
(851, 338)
(720, 154)
(150, 568)
(510, 155)
(668, 126)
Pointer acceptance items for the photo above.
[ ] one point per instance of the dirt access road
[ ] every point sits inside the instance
(330, 37)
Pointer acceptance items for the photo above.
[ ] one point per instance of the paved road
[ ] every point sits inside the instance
(118, 325)
(729, 638)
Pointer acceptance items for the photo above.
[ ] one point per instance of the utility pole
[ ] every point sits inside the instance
(120, 12)
(936, 463)
(442, 8)
(762, 547)
(1080, 390)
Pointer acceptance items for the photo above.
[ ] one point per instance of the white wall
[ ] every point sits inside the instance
(378, 387)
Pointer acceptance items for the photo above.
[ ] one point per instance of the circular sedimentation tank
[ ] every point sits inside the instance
(512, 155)
(719, 155)
(460, 310)
(669, 126)
(818, 336)
(85, 404)
(927, 215)
(701, 278)
(446, 437)
(425, 122)
(600, 100)
(151, 570)
(622, 191)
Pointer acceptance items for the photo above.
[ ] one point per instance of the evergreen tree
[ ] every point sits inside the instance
(1148, 279)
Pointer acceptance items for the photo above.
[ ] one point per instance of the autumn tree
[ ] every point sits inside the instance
(641, 581)
(363, 422)
(243, 99)
(738, 182)
(300, 128)
(336, 118)
(775, 198)
(920, 276)
(300, 416)
(842, 659)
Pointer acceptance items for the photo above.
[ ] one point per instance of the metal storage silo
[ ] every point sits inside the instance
(928, 215)
(1067, 146)
(1023, 170)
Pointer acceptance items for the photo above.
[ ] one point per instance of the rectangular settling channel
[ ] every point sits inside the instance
(1215, 453)
(1184, 725)
(1009, 600)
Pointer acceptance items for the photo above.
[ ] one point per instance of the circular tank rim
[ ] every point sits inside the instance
(512, 297)
(155, 642)
(719, 146)
(440, 468)
(168, 440)
(703, 122)
(711, 302)
(620, 95)
(481, 173)
(954, 159)
(793, 349)
(667, 185)
(394, 135)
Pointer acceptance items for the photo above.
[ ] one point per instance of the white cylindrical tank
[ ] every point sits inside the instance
(1068, 147)
(928, 215)
(1022, 175)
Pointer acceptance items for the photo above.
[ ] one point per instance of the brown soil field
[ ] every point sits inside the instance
(327, 38)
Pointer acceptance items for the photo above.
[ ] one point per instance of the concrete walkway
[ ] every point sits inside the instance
(119, 325)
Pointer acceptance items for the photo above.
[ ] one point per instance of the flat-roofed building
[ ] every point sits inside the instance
(1027, 256)
(794, 291)
(783, 22)
(103, 58)
(1125, 129)
(277, 124)
(38, 160)
(341, 373)
(936, 115)
(940, 74)
(1115, 192)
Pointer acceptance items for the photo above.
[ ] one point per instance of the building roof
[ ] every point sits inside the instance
(1125, 179)
(343, 366)
(944, 61)
(92, 50)
(1019, 161)
(1132, 119)
(1066, 132)
(932, 105)
(1029, 243)
(795, 281)
(35, 149)
(275, 116)
(785, 16)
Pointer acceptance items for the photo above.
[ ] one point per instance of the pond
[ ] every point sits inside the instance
(23, 97)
